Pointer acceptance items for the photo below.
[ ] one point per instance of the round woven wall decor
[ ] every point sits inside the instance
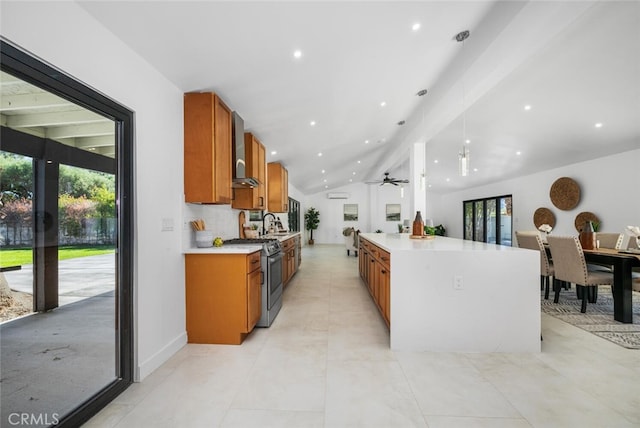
(565, 193)
(544, 216)
(584, 217)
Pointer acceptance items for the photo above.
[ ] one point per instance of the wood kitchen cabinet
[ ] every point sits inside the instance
(207, 149)
(223, 296)
(374, 265)
(277, 188)
(288, 260)
(256, 167)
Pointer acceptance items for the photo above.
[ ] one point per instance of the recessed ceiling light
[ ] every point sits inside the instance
(320, 154)
(448, 180)
(468, 141)
(324, 181)
(323, 171)
(436, 161)
(297, 54)
(518, 152)
(274, 152)
(351, 180)
(312, 123)
(383, 103)
(416, 26)
(326, 187)
(527, 107)
(598, 125)
(358, 161)
(475, 169)
(429, 185)
(366, 141)
(354, 173)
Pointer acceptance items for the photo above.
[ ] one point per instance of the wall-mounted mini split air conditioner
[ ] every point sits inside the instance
(338, 195)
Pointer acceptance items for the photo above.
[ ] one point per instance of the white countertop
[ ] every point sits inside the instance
(239, 249)
(394, 242)
(282, 236)
(225, 249)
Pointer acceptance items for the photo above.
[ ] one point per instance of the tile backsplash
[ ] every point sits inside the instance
(222, 220)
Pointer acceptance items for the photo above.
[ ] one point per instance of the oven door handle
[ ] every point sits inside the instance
(276, 258)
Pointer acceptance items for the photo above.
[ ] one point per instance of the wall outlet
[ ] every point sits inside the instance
(457, 282)
(167, 225)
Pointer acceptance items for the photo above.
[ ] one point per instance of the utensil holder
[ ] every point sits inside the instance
(204, 238)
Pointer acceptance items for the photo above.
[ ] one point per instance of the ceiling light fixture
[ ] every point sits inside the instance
(463, 155)
(324, 181)
(274, 152)
(319, 154)
(416, 26)
(366, 141)
(323, 171)
(358, 161)
(297, 54)
(527, 107)
(436, 161)
(598, 125)
(354, 173)
(518, 153)
(383, 103)
(312, 123)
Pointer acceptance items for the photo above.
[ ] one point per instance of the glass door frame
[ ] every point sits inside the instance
(31, 69)
(497, 225)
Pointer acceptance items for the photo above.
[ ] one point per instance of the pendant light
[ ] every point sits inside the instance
(464, 155)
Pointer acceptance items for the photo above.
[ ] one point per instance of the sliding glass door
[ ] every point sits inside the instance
(488, 220)
(65, 248)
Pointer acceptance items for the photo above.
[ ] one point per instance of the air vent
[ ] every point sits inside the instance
(338, 195)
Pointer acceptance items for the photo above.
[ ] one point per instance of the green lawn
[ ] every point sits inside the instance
(25, 256)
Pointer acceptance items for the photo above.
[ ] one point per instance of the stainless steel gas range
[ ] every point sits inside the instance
(271, 266)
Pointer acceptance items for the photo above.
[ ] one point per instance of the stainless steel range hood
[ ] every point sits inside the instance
(240, 179)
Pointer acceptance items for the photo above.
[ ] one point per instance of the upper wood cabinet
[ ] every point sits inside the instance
(277, 188)
(252, 198)
(207, 149)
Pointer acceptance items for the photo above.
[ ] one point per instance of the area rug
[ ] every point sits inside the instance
(599, 316)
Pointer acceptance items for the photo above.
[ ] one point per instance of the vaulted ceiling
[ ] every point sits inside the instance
(575, 64)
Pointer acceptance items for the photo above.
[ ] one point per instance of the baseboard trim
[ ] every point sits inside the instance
(160, 357)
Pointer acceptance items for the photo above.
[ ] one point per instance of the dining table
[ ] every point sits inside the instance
(623, 262)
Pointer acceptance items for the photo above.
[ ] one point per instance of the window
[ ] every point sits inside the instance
(488, 220)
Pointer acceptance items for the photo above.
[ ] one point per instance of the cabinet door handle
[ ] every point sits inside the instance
(255, 261)
(261, 199)
(383, 271)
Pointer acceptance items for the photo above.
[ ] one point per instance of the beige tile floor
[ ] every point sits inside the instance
(326, 362)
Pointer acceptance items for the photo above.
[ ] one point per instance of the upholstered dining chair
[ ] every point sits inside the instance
(610, 240)
(570, 265)
(532, 241)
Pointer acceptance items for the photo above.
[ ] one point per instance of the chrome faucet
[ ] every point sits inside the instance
(264, 231)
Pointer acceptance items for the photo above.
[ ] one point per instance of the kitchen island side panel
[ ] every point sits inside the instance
(494, 306)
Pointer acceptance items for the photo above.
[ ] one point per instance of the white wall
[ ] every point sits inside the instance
(608, 185)
(371, 200)
(64, 35)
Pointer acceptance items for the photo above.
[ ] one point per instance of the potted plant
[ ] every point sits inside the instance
(311, 222)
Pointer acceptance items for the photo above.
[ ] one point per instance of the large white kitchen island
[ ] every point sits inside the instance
(453, 295)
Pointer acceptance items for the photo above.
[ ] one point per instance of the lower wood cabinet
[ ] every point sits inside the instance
(375, 270)
(223, 296)
(288, 259)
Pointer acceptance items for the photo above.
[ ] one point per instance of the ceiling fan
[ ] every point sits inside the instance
(388, 180)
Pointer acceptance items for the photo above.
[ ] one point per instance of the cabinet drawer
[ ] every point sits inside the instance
(253, 261)
(385, 257)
